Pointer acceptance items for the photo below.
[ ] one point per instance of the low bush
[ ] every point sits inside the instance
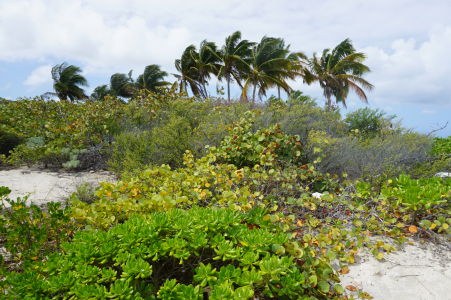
(377, 158)
(29, 232)
(421, 197)
(194, 254)
(267, 146)
(369, 122)
(53, 131)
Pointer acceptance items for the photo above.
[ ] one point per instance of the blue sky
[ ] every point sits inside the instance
(407, 42)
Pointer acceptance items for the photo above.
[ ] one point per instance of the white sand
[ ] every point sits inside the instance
(417, 272)
(45, 186)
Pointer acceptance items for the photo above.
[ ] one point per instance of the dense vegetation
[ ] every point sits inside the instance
(216, 199)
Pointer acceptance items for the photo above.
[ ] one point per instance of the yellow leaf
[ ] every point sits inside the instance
(413, 229)
(380, 255)
(432, 227)
(445, 226)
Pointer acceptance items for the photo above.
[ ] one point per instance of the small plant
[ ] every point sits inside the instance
(85, 193)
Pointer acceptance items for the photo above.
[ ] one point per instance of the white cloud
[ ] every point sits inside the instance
(407, 42)
(39, 76)
(413, 72)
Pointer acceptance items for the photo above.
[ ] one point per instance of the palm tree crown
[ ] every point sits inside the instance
(338, 71)
(234, 57)
(67, 82)
(121, 85)
(152, 78)
(270, 65)
(187, 76)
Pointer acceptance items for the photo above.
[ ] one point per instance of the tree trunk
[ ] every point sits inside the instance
(253, 93)
(228, 89)
(278, 92)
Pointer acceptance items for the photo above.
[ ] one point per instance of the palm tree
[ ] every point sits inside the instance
(67, 81)
(338, 71)
(206, 62)
(269, 66)
(121, 85)
(188, 76)
(152, 78)
(234, 57)
(100, 92)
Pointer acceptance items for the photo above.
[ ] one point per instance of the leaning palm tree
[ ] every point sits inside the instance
(206, 62)
(67, 81)
(234, 57)
(338, 71)
(269, 66)
(152, 78)
(121, 85)
(187, 75)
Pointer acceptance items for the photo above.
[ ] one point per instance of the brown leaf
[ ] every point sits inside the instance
(351, 288)
(344, 270)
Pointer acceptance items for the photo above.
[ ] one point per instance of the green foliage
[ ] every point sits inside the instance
(30, 233)
(54, 131)
(267, 146)
(442, 146)
(217, 253)
(85, 192)
(377, 158)
(183, 124)
(419, 196)
(368, 122)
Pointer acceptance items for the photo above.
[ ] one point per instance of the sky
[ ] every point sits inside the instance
(407, 43)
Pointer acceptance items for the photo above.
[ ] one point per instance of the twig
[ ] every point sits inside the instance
(438, 129)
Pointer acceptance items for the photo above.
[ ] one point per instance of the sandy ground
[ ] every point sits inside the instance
(45, 186)
(416, 272)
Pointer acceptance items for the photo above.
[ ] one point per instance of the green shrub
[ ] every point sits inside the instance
(195, 254)
(374, 158)
(179, 126)
(442, 146)
(369, 122)
(419, 196)
(49, 127)
(85, 193)
(30, 232)
(267, 146)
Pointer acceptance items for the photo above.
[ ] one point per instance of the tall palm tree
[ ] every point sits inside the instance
(121, 85)
(269, 66)
(67, 81)
(338, 71)
(152, 78)
(188, 76)
(206, 62)
(234, 57)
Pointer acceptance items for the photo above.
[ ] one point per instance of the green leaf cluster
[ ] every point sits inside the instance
(180, 254)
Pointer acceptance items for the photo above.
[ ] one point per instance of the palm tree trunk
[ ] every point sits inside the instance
(278, 92)
(253, 93)
(228, 89)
